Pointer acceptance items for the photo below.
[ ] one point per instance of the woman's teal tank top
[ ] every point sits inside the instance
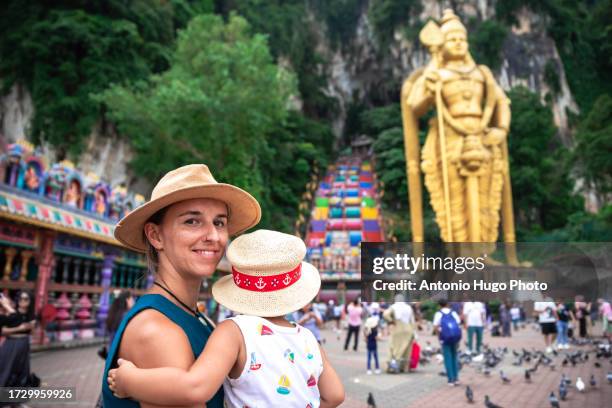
(196, 332)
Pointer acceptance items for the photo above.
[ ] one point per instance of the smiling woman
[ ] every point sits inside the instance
(184, 230)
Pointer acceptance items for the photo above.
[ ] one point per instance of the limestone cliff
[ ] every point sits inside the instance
(361, 71)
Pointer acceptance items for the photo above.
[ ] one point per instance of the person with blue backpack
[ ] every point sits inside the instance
(447, 325)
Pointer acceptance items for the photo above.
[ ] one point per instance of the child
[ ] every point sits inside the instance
(261, 359)
(446, 323)
(371, 335)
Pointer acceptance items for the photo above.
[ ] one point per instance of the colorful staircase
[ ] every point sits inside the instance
(345, 213)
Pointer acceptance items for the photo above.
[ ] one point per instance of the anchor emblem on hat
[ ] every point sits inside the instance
(287, 279)
(237, 279)
(260, 284)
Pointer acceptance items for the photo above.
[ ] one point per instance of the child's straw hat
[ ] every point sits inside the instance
(269, 277)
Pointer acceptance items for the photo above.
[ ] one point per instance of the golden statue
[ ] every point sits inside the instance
(465, 156)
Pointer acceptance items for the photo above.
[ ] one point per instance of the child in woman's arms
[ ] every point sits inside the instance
(261, 359)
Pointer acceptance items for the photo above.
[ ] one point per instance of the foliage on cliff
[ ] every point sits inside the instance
(222, 102)
(64, 51)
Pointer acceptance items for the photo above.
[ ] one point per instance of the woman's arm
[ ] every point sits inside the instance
(7, 331)
(330, 385)
(172, 386)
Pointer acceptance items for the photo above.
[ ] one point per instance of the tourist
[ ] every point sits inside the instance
(8, 315)
(515, 315)
(310, 318)
(447, 325)
(605, 310)
(547, 317)
(371, 337)
(581, 314)
(120, 306)
(504, 318)
(564, 316)
(354, 312)
(261, 358)
(15, 351)
(474, 317)
(400, 317)
(184, 231)
(337, 311)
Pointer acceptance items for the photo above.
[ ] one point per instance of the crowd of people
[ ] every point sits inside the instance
(560, 323)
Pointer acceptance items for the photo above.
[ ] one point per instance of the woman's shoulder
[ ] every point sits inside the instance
(150, 331)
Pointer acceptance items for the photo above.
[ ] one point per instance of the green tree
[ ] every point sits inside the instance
(218, 104)
(64, 51)
(594, 147)
(539, 166)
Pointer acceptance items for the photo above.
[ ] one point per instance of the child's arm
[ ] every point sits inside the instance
(330, 385)
(175, 386)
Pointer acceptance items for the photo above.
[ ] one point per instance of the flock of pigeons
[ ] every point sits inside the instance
(532, 361)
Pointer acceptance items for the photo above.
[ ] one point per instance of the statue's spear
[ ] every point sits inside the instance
(432, 38)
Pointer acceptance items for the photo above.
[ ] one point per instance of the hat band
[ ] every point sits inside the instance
(268, 283)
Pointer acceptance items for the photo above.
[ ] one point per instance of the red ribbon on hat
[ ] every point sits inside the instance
(269, 283)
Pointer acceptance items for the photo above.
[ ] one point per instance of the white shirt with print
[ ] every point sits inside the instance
(282, 368)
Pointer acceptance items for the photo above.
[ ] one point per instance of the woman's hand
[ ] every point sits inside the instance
(116, 378)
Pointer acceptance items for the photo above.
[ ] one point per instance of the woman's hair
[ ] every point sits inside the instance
(356, 301)
(117, 310)
(30, 312)
(151, 252)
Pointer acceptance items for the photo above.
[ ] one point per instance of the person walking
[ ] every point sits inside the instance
(547, 317)
(309, 317)
(564, 315)
(605, 310)
(515, 315)
(581, 313)
(371, 337)
(504, 319)
(354, 312)
(474, 317)
(447, 325)
(400, 317)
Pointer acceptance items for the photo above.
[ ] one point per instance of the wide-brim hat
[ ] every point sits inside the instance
(269, 277)
(186, 183)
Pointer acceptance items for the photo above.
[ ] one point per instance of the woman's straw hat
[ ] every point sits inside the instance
(268, 276)
(185, 183)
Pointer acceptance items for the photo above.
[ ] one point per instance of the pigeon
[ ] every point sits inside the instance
(505, 379)
(469, 394)
(580, 384)
(562, 391)
(554, 402)
(486, 372)
(527, 376)
(565, 380)
(489, 403)
(592, 381)
(564, 363)
(370, 401)
(597, 364)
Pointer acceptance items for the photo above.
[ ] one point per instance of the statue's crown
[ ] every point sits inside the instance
(450, 22)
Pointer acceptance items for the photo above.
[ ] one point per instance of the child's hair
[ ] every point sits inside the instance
(443, 303)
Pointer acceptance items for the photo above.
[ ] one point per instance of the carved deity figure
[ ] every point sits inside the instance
(465, 157)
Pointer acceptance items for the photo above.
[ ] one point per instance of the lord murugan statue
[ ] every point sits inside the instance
(464, 160)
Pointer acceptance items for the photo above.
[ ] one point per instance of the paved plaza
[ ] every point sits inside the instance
(82, 368)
